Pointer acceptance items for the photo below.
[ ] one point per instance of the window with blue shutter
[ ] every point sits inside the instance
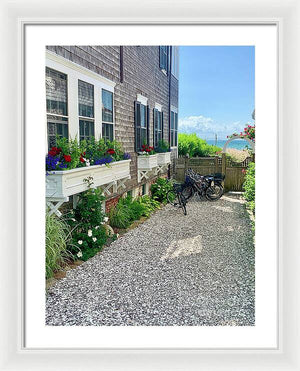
(141, 116)
(157, 127)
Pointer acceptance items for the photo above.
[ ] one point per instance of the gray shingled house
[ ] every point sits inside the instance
(127, 93)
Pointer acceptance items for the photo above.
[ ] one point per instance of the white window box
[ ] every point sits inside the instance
(163, 158)
(147, 162)
(62, 184)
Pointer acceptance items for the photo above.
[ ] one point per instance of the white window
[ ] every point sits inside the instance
(107, 115)
(76, 104)
(86, 110)
(158, 125)
(57, 105)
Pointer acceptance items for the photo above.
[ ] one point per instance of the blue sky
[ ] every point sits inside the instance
(216, 89)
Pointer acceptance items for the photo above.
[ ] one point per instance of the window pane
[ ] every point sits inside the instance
(86, 129)
(107, 106)
(143, 116)
(172, 120)
(176, 121)
(108, 131)
(57, 126)
(85, 99)
(143, 136)
(56, 92)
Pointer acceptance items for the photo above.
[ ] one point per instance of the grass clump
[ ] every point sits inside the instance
(192, 145)
(57, 238)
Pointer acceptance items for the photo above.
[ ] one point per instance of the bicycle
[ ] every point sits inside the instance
(206, 186)
(176, 198)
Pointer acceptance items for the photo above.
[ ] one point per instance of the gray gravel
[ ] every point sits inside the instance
(171, 270)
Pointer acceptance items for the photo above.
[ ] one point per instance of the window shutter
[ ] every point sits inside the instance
(162, 125)
(137, 120)
(147, 125)
(154, 118)
(160, 57)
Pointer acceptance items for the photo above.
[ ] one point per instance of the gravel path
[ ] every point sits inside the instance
(171, 270)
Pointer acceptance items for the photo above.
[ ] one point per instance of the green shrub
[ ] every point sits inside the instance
(192, 145)
(57, 237)
(149, 205)
(119, 217)
(159, 190)
(249, 186)
(88, 235)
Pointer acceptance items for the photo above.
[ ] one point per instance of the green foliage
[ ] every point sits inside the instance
(128, 210)
(162, 147)
(192, 145)
(249, 186)
(88, 236)
(57, 237)
(149, 205)
(159, 190)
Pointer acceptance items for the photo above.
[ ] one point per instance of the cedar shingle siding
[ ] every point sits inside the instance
(141, 75)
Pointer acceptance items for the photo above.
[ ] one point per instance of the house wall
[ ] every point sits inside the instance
(141, 75)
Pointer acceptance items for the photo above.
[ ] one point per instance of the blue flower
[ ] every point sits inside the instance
(103, 160)
(126, 156)
(51, 162)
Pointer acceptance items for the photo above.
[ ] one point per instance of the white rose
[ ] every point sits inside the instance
(90, 233)
(79, 254)
(94, 239)
(80, 242)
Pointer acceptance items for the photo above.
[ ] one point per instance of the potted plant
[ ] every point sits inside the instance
(163, 153)
(147, 158)
(73, 167)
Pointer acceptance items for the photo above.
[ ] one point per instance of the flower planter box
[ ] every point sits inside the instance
(147, 162)
(164, 158)
(61, 184)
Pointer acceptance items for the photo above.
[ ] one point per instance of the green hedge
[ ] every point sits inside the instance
(249, 186)
(194, 146)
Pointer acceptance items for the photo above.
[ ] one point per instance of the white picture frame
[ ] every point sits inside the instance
(14, 17)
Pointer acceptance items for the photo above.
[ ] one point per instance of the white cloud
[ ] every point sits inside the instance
(206, 127)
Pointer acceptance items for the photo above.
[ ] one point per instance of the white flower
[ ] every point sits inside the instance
(102, 223)
(94, 239)
(87, 163)
(117, 235)
(74, 220)
(79, 254)
(97, 226)
(105, 219)
(90, 233)
(80, 242)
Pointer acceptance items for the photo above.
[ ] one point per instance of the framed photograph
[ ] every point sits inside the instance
(122, 95)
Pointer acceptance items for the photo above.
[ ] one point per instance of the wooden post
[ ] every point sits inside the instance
(223, 166)
(216, 164)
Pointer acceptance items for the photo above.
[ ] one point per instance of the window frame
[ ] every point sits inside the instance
(74, 73)
(174, 129)
(86, 119)
(104, 122)
(157, 112)
(56, 115)
(164, 58)
(141, 101)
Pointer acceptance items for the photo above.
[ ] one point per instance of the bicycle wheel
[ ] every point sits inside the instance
(182, 202)
(172, 197)
(188, 192)
(214, 192)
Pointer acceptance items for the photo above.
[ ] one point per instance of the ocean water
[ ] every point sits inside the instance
(237, 144)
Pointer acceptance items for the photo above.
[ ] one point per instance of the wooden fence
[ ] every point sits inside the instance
(234, 175)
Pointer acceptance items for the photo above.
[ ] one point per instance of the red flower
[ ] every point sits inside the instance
(111, 151)
(82, 159)
(147, 150)
(67, 158)
(143, 146)
(151, 148)
(54, 151)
